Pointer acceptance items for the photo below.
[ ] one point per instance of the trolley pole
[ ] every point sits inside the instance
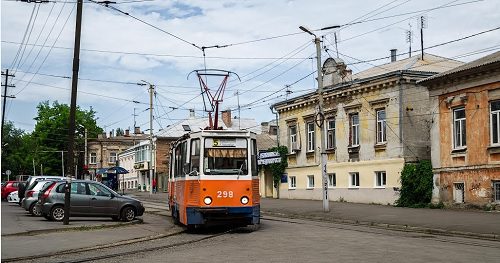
(320, 118)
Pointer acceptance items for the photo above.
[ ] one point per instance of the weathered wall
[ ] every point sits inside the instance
(478, 185)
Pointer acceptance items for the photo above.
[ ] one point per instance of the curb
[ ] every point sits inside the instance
(396, 227)
(78, 228)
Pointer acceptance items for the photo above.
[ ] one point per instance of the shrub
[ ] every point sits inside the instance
(416, 185)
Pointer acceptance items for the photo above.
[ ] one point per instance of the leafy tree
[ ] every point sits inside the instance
(50, 135)
(416, 185)
(277, 169)
(16, 155)
(119, 132)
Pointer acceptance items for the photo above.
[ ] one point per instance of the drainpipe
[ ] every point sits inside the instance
(401, 111)
(277, 125)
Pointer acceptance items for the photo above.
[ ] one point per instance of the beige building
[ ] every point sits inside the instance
(376, 121)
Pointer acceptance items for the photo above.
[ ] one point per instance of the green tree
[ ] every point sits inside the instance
(16, 155)
(278, 169)
(119, 132)
(50, 135)
(416, 185)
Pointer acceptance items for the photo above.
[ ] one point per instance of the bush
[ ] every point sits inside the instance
(416, 185)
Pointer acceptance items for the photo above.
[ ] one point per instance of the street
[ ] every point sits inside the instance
(277, 240)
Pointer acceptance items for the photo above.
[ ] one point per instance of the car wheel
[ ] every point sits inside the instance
(115, 218)
(57, 213)
(35, 210)
(128, 214)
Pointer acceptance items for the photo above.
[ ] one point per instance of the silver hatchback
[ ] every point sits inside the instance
(88, 198)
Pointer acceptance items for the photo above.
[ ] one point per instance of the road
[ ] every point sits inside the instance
(287, 240)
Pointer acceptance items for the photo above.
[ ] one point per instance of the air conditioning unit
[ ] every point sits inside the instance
(295, 147)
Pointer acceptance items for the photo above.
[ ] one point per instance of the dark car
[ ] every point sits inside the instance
(88, 198)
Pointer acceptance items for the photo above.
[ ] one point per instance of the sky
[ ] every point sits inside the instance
(160, 42)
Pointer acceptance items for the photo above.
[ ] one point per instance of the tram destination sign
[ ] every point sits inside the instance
(266, 158)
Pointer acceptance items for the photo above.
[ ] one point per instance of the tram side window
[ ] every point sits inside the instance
(184, 168)
(177, 162)
(195, 156)
(253, 159)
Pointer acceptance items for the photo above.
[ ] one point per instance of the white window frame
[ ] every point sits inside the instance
(293, 182)
(113, 155)
(380, 179)
(354, 180)
(311, 140)
(330, 134)
(354, 130)
(459, 123)
(494, 115)
(93, 155)
(381, 127)
(310, 178)
(496, 192)
(292, 138)
(332, 183)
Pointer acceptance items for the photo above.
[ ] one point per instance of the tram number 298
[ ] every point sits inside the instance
(225, 194)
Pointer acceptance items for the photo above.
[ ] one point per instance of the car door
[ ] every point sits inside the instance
(102, 201)
(79, 199)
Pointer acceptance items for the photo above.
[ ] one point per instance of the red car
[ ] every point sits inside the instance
(9, 187)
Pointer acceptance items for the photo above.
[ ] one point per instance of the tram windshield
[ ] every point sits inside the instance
(225, 161)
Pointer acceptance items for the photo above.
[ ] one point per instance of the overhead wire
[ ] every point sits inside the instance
(23, 41)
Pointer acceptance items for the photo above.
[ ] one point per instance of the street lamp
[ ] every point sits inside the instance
(320, 116)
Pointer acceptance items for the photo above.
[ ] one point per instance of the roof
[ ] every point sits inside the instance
(473, 65)
(266, 141)
(431, 63)
(199, 123)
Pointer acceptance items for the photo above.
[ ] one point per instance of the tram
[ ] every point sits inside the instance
(214, 179)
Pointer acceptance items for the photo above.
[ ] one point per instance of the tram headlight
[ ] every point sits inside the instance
(207, 200)
(244, 200)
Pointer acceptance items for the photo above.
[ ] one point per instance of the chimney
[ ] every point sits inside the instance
(111, 134)
(393, 54)
(226, 117)
(264, 126)
(191, 114)
(127, 133)
(137, 130)
(101, 135)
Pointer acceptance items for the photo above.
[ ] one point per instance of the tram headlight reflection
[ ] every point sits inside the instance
(207, 200)
(244, 200)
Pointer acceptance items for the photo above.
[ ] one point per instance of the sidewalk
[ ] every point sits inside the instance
(473, 223)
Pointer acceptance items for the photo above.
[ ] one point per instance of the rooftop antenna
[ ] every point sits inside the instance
(214, 98)
(409, 38)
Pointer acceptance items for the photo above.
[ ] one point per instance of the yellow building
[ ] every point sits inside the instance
(376, 121)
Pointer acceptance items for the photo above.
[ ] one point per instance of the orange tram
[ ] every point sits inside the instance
(214, 179)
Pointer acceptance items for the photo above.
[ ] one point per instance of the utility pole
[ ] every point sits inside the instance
(239, 109)
(320, 117)
(151, 173)
(72, 111)
(5, 85)
(423, 24)
(409, 38)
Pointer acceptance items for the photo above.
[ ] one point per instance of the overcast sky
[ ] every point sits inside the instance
(264, 47)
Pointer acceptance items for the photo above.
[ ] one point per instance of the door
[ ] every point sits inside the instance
(79, 198)
(496, 192)
(102, 201)
(458, 194)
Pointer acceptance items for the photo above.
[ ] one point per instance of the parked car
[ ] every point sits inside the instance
(88, 198)
(29, 184)
(13, 198)
(9, 187)
(31, 196)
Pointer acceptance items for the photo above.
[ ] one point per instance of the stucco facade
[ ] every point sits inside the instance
(465, 144)
(375, 123)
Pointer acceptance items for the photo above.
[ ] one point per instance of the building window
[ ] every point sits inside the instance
(354, 180)
(310, 137)
(381, 127)
(330, 134)
(113, 157)
(496, 191)
(380, 179)
(459, 130)
(310, 181)
(93, 158)
(332, 180)
(354, 134)
(495, 122)
(292, 140)
(293, 182)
